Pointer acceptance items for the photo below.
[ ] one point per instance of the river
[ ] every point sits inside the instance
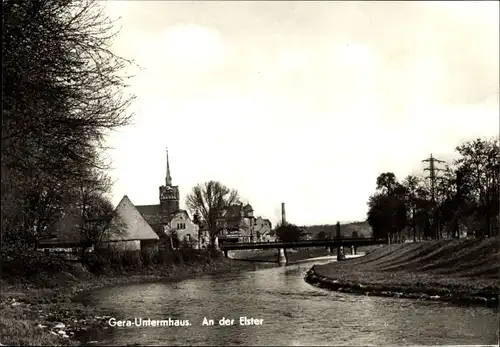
(293, 313)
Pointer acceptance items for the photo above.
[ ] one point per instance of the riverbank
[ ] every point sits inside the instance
(46, 312)
(460, 271)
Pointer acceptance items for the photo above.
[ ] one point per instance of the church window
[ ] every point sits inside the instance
(181, 225)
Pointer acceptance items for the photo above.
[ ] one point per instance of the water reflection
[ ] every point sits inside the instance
(294, 313)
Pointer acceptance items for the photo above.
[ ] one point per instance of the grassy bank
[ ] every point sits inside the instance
(462, 271)
(41, 310)
(294, 255)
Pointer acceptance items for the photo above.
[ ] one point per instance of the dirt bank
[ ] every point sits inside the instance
(461, 271)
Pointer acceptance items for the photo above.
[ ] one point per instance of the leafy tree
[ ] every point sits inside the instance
(289, 232)
(411, 185)
(386, 182)
(321, 236)
(467, 196)
(62, 95)
(209, 200)
(387, 214)
(480, 164)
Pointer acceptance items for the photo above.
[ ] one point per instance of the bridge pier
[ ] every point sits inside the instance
(353, 249)
(340, 253)
(281, 256)
(226, 255)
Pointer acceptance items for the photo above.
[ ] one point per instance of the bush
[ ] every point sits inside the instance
(33, 263)
(190, 255)
(99, 264)
(110, 259)
(130, 259)
(147, 257)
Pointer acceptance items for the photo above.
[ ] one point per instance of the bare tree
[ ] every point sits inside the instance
(209, 200)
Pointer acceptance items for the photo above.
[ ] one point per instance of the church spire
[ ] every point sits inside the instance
(168, 179)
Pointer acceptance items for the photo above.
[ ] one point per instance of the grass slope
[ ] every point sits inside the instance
(459, 270)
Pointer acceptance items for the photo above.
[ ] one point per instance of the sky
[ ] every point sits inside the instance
(300, 102)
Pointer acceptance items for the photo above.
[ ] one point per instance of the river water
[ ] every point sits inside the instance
(294, 313)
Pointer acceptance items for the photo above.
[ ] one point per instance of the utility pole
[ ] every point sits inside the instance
(432, 176)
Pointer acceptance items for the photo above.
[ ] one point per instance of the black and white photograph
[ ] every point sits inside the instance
(250, 173)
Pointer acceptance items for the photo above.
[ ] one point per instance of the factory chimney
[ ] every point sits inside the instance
(283, 216)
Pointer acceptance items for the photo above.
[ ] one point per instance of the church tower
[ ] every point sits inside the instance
(169, 194)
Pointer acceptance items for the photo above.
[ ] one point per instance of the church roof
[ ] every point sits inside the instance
(148, 209)
(153, 214)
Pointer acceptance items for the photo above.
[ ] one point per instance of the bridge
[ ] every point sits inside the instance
(281, 246)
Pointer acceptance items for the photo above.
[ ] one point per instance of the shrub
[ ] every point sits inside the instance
(99, 264)
(147, 257)
(130, 259)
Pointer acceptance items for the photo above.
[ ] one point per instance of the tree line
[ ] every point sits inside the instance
(462, 198)
(63, 92)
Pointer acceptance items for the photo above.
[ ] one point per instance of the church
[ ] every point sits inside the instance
(165, 219)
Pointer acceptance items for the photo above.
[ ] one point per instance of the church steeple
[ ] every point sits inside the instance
(168, 178)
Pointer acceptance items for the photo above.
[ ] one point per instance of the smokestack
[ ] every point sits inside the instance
(283, 216)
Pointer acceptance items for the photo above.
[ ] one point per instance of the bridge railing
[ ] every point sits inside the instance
(308, 242)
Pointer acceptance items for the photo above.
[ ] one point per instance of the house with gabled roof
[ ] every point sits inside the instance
(262, 229)
(135, 232)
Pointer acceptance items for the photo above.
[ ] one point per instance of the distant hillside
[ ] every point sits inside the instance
(363, 229)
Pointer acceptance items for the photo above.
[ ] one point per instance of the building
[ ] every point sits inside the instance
(170, 223)
(183, 230)
(262, 229)
(234, 223)
(132, 233)
(237, 223)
